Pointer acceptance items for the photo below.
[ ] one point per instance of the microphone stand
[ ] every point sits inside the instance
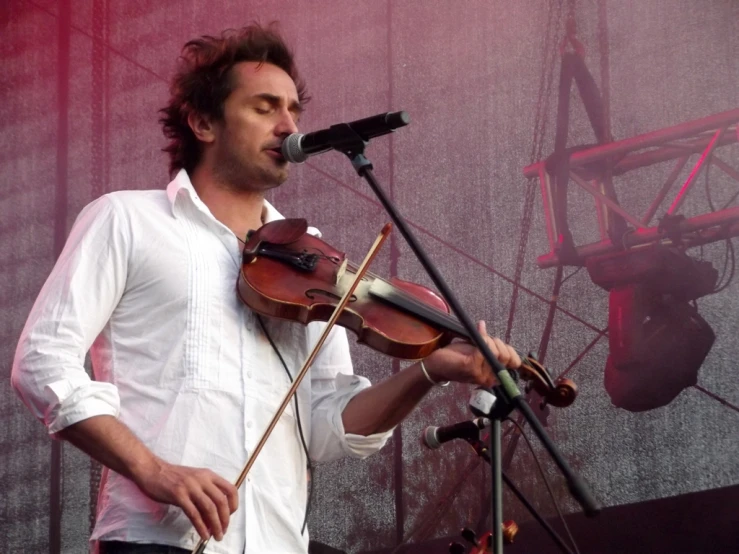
(348, 142)
(501, 409)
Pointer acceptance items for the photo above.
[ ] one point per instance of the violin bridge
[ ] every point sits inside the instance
(341, 271)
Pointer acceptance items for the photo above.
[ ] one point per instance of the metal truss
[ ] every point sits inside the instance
(677, 143)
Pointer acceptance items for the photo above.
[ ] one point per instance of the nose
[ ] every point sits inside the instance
(286, 125)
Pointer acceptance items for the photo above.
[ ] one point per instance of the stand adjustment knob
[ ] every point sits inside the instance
(470, 536)
(456, 548)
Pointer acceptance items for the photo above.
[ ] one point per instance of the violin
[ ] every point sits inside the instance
(290, 274)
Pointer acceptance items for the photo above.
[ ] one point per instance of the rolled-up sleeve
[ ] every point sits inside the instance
(333, 385)
(72, 308)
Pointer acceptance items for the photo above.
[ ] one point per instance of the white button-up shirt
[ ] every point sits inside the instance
(147, 284)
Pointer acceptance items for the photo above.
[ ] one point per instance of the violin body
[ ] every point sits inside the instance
(303, 279)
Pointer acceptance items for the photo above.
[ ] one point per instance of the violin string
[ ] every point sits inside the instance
(410, 299)
(452, 323)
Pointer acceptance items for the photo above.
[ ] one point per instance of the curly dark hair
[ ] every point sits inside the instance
(204, 80)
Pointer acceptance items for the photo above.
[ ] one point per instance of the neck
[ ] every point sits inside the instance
(239, 210)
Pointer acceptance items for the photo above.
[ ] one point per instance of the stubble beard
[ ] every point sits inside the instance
(242, 175)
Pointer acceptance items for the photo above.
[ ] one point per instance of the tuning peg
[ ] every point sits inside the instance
(510, 530)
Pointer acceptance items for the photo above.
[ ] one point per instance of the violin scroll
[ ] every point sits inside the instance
(565, 392)
(560, 393)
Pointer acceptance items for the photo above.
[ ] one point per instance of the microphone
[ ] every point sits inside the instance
(434, 437)
(296, 148)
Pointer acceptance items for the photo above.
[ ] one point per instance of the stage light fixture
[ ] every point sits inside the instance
(657, 339)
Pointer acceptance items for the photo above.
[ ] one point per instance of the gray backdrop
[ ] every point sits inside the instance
(81, 83)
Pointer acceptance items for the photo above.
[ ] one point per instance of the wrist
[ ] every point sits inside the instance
(146, 469)
(429, 378)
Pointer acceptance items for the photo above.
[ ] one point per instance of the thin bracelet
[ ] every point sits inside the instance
(430, 380)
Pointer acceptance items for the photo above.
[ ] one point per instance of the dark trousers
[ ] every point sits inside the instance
(117, 547)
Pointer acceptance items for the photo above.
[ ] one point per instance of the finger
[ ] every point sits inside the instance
(482, 327)
(503, 354)
(515, 360)
(193, 515)
(483, 371)
(231, 492)
(493, 346)
(221, 503)
(208, 512)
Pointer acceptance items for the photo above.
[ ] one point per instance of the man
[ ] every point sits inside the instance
(187, 377)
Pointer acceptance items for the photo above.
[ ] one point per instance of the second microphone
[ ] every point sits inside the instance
(434, 437)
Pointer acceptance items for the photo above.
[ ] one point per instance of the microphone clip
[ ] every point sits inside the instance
(348, 142)
(491, 403)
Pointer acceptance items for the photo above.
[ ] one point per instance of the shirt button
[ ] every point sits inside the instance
(248, 424)
(248, 374)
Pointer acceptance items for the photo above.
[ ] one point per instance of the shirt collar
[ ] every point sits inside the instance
(180, 190)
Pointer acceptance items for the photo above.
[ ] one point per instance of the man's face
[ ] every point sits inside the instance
(257, 116)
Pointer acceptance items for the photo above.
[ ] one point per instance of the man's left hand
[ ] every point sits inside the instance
(464, 363)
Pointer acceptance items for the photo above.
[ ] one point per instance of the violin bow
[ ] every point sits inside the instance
(200, 547)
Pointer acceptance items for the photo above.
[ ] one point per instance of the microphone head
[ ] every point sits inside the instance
(397, 119)
(430, 439)
(291, 149)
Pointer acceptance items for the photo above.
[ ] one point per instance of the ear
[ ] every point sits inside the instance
(201, 126)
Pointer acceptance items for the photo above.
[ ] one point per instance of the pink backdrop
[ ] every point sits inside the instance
(81, 85)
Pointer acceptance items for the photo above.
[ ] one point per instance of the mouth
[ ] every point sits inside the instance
(275, 152)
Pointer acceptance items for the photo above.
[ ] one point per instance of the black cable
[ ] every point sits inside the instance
(575, 272)
(730, 200)
(729, 256)
(300, 426)
(546, 482)
(721, 278)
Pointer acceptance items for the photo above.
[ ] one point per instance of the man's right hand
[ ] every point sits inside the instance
(207, 499)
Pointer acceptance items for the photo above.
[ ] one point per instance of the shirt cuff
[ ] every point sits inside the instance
(356, 446)
(96, 398)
